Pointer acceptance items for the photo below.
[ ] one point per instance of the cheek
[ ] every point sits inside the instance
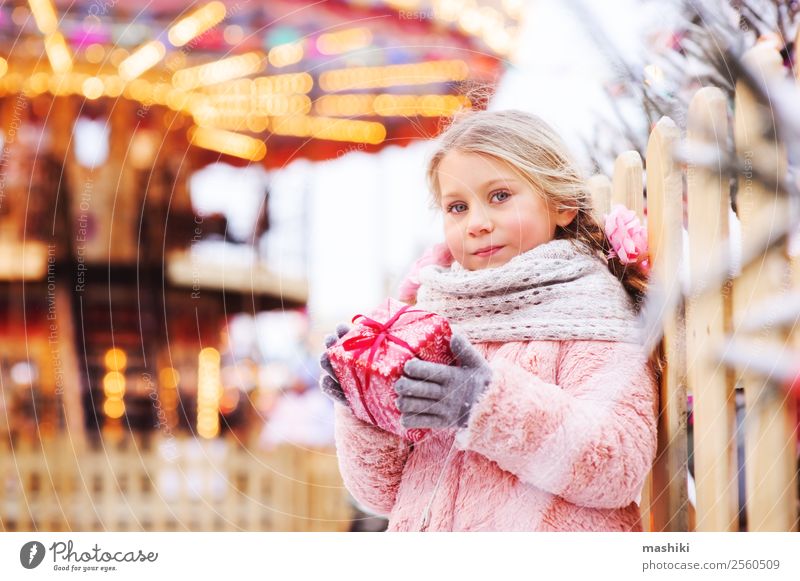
(453, 238)
(530, 232)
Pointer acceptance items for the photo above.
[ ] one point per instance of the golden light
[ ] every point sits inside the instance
(287, 83)
(287, 54)
(75, 82)
(95, 53)
(178, 100)
(209, 390)
(257, 123)
(57, 84)
(390, 105)
(218, 71)
(113, 85)
(114, 408)
(394, 75)
(114, 384)
(143, 59)
(239, 105)
(330, 128)
(57, 52)
(117, 56)
(207, 415)
(161, 92)
(208, 116)
(344, 41)
(37, 83)
(208, 428)
(3, 67)
(196, 23)
(403, 4)
(185, 102)
(350, 105)
(209, 355)
(272, 85)
(169, 378)
(175, 60)
(143, 149)
(228, 142)
(93, 88)
(139, 90)
(230, 399)
(277, 105)
(12, 82)
(45, 15)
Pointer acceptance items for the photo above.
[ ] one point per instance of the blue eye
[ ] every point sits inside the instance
(502, 192)
(450, 209)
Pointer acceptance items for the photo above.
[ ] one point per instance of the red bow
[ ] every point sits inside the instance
(373, 342)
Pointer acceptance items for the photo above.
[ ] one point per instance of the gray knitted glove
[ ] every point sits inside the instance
(432, 395)
(328, 383)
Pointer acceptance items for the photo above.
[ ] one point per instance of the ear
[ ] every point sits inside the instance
(565, 217)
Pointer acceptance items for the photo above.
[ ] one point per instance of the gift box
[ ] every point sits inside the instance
(370, 358)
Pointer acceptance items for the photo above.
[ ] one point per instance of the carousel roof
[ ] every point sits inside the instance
(261, 80)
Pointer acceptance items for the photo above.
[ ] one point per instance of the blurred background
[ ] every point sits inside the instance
(193, 194)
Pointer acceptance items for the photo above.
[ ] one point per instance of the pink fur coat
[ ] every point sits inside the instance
(562, 440)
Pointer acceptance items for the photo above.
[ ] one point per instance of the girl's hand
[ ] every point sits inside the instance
(328, 383)
(432, 395)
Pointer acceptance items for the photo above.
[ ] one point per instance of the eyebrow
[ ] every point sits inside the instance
(483, 186)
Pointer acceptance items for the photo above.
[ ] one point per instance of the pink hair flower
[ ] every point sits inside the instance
(436, 254)
(627, 236)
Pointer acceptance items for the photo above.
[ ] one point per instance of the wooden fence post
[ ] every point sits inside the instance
(769, 421)
(628, 189)
(708, 321)
(600, 189)
(665, 236)
(628, 184)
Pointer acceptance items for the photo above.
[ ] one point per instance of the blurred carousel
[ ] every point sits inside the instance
(152, 285)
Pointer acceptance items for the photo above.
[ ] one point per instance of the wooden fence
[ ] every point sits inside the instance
(699, 325)
(170, 485)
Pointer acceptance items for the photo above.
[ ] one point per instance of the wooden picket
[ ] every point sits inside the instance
(708, 320)
(627, 183)
(665, 239)
(770, 460)
(208, 486)
(600, 190)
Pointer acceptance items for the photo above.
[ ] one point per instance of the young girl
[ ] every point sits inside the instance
(548, 422)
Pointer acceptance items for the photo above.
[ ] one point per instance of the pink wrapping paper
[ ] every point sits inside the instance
(370, 358)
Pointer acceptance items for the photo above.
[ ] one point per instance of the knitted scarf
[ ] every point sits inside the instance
(555, 291)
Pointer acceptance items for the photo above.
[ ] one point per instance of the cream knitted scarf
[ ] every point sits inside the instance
(555, 291)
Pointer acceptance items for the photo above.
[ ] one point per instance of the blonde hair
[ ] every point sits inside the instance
(535, 152)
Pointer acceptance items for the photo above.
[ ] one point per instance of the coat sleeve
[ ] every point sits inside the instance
(371, 461)
(591, 439)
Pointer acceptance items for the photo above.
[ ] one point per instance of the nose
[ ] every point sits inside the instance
(479, 223)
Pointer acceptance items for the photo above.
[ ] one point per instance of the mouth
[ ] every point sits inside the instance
(488, 251)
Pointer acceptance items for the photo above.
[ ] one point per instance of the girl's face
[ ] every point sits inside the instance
(490, 214)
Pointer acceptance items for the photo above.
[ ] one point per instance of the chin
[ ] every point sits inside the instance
(490, 262)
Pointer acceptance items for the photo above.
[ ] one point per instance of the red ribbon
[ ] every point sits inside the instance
(373, 341)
